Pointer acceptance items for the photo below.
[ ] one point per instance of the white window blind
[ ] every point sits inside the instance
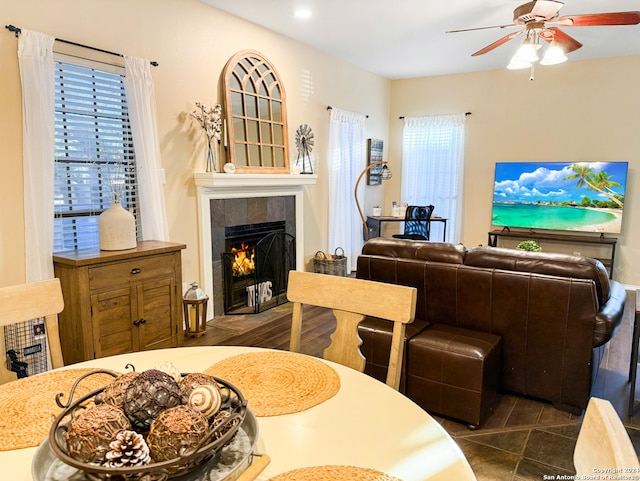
(94, 156)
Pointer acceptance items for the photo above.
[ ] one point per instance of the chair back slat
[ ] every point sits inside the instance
(351, 300)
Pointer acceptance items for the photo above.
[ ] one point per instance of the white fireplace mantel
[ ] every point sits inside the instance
(229, 186)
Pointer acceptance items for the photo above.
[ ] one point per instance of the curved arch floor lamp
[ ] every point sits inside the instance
(385, 174)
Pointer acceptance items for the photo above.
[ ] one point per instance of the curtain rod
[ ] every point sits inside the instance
(17, 31)
(466, 115)
(329, 107)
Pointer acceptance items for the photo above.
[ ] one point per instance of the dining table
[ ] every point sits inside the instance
(362, 423)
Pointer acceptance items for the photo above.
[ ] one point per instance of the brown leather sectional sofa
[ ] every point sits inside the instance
(553, 313)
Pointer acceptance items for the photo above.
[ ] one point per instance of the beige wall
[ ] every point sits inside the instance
(575, 111)
(192, 43)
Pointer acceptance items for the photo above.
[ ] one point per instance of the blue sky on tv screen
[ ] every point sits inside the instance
(531, 182)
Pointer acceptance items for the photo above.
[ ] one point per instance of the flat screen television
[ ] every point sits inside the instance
(565, 196)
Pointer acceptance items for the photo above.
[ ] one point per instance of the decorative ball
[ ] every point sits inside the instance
(114, 393)
(175, 431)
(127, 450)
(217, 424)
(193, 380)
(148, 395)
(90, 433)
(205, 399)
(171, 369)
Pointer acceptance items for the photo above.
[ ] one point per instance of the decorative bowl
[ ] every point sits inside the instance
(191, 460)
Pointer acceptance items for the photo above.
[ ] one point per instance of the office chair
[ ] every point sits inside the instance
(416, 223)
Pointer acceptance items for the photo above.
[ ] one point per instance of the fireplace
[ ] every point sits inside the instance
(234, 199)
(255, 266)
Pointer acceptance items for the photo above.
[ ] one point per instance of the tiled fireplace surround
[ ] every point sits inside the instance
(237, 199)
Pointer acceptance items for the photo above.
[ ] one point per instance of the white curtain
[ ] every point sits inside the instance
(432, 168)
(346, 161)
(35, 56)
(140, 92)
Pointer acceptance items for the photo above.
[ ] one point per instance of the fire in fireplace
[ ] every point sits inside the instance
(256, 266)
(243, 261)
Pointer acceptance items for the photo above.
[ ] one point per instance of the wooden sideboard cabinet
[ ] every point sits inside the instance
(117, 302)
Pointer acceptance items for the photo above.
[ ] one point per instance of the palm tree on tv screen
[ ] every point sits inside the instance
(600, 182)
(603, 180)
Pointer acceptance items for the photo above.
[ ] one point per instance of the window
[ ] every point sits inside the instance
(94, 156)
(432, 167)
(256, 115)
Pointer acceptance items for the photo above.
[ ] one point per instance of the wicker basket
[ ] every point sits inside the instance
(335, 265)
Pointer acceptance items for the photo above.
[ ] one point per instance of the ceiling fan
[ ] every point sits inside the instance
(540, 20)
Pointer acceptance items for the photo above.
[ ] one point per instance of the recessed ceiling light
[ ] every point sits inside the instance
(302, 13)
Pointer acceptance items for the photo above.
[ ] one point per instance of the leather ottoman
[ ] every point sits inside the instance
(454, 372)
(376, 346)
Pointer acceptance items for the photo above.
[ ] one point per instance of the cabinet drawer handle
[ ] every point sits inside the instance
(136, 270)
(143, 320)
(137, 322)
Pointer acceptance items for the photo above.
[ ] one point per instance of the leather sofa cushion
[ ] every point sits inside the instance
(553, 264)
(408, 249)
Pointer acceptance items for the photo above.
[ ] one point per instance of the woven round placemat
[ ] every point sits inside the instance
(333, 473)
(279, 382)
(28, 405)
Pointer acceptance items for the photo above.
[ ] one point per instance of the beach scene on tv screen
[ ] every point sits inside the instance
(570, 196)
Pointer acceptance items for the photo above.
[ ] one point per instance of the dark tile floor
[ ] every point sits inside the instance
(526, 440)
(523, 440)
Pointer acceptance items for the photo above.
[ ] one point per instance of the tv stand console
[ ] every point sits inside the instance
(601, 240)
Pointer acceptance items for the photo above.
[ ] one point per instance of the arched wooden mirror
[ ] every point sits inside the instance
(256, 115)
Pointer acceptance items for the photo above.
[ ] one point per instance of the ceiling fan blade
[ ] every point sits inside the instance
(566, 42)
(497, 43)
(546, 8)
(600, 19)
(482, 28)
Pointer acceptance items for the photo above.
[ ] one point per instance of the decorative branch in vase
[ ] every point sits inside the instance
(116, 181)
(116, 225)
(210, 119)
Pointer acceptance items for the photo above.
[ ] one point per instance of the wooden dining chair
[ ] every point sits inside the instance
(603, 442)
(351, 300)
(33, 300)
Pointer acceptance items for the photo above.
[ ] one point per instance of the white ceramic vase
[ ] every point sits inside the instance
(117, 229)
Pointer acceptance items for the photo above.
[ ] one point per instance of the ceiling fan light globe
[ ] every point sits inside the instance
(517, 64)
(527, 53)
(554, 55)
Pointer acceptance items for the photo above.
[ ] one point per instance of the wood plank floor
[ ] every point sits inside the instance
(523, 440)
(270, 329)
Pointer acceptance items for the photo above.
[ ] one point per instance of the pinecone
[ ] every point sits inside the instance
(128, 449)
